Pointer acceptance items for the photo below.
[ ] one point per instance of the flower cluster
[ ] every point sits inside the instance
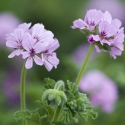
(102, 90)
(34, 43)
(106, 33)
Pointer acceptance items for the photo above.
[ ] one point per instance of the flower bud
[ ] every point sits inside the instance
(59, 85)
(54, 97)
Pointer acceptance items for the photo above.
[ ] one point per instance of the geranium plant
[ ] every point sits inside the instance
(61, 100)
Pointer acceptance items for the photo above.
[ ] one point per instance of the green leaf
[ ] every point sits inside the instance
(88, 113)
(49, 83)
(67, 116)
(44, 120)
(78, 103)
(40, 116)
(22, 115)
(47, 107)
(72, 88)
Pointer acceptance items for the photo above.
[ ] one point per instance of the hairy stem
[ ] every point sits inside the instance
(23, 105)
(84, 64)
(56, 114)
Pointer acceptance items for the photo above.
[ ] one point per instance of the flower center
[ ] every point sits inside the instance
(103, 34)
(36, 38)
(92, 24)
(32, 52)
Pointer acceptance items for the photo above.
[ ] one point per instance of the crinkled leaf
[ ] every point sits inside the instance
(67, 115)
(50, 109)
(72, 88)
(39, 116)
(44, 120)
(79, 103)
(49, 83)
(22, 115)
(88, 113)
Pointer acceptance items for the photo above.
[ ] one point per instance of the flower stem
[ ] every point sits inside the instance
(56, 114)
(84, 64)
(23, 105)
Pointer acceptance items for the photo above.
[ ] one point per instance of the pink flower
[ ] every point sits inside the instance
(49, 56)
(108, 18)
(109, 5)
(103, 91)
(14, 40)
(102, 31)
(34, 43)
(92, 19)
(118, 47)
(106, 32)
(116, 44)
(31, 50)
(40, 34)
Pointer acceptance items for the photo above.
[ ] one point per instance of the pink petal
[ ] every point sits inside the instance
(53, 46)
(28, 42)
(10, 37)
(78, 24)
(15, 53)
(115, 52)
(46, 35)
(37, 30)
(18, 34)
(38, 47)
(19, 51)
(48, 65)
(53, 60)
(109, 29)
(119, 46)
(24, 26)
(109, 42)
(93, 17)
(38, 60)
(11, 43)
(12, 54)
(107, 17)
(29, 63)
(97, 49)
(25, 55)
(117, 23)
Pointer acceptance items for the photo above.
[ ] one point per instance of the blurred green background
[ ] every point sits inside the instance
(57, 16)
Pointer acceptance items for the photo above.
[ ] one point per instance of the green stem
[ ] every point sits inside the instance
(56, 114)
(84, 64)
(23, 105)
